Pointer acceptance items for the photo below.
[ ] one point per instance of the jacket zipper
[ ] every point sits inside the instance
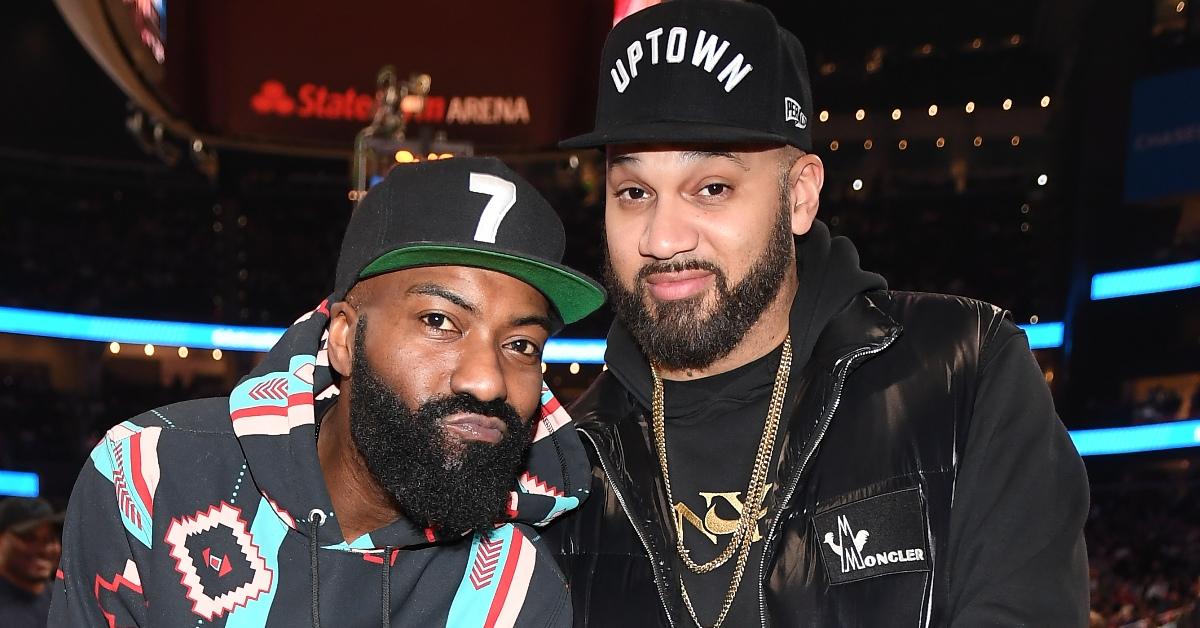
(839, 383)
(654, 560)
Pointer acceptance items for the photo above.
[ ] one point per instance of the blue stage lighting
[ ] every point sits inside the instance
(1149, 280)
(1044, 335)
(19, 483)
(1137, 438)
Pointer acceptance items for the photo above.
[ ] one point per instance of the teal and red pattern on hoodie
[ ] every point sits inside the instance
(215, 513)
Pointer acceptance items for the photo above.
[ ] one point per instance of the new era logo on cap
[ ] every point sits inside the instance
(701, 71)
(792, 112)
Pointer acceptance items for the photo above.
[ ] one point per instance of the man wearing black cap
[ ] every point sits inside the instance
(779, 439)
(29, 552)
(384, 465)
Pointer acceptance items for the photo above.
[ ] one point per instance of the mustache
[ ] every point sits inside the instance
(442, 406)
(654, 268)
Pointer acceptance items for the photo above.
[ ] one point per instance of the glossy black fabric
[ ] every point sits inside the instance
(903, 391)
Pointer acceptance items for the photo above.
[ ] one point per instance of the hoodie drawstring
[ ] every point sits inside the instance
(385, 596)
(316, 519)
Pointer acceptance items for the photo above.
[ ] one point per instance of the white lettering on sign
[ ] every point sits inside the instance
(312, 101)
(487, 110)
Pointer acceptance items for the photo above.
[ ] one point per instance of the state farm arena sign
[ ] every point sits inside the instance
(320, 102)
(505, 76)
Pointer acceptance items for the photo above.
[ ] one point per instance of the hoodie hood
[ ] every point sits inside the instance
(274, 412)
(830, 276)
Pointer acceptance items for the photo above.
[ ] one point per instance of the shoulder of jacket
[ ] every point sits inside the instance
(950, 317)
(197, 416)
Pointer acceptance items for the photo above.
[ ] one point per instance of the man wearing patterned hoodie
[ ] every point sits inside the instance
(388, 461)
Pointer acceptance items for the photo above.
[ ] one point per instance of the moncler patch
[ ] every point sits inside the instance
(872, 537)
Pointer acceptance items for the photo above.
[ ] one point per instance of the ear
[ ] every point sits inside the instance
(343, 319)
(806, 178)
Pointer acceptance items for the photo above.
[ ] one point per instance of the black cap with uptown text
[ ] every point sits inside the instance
(703, 71)
(465, 211)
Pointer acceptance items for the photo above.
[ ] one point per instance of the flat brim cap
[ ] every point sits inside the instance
(465, 211)
(701, 71)
(572, 294)
(673, 132)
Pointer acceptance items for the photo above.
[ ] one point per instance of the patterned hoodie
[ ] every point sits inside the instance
(215, 513)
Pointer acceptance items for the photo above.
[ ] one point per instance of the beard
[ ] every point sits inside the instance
(438, 483)
(687, 334)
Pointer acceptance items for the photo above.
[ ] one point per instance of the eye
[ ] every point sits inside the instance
(715, 189)
(631, 193)
(437, 321)
(525, 347)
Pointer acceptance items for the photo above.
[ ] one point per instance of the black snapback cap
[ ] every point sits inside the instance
(19, 514)
(701, 71)
(464, 211)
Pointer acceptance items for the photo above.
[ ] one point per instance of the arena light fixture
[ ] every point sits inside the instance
(1138, 438)
(578, 350)
(1150, 280)
(134, 331)
(1044, 335)
(19, 483)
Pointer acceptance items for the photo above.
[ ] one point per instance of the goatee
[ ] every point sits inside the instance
(685, 334)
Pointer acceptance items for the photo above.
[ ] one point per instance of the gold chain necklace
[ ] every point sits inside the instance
(751, 510)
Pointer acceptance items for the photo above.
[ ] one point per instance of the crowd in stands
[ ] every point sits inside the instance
(1165, 404)
(1144, 553)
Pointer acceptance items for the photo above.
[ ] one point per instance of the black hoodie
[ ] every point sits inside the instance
(215, 513)
(730, 409)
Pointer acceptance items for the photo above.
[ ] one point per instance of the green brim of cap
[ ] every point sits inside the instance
(573, 294)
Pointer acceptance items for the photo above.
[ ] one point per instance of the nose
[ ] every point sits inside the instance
(52, 549)
(479, 372)
(669, 230)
